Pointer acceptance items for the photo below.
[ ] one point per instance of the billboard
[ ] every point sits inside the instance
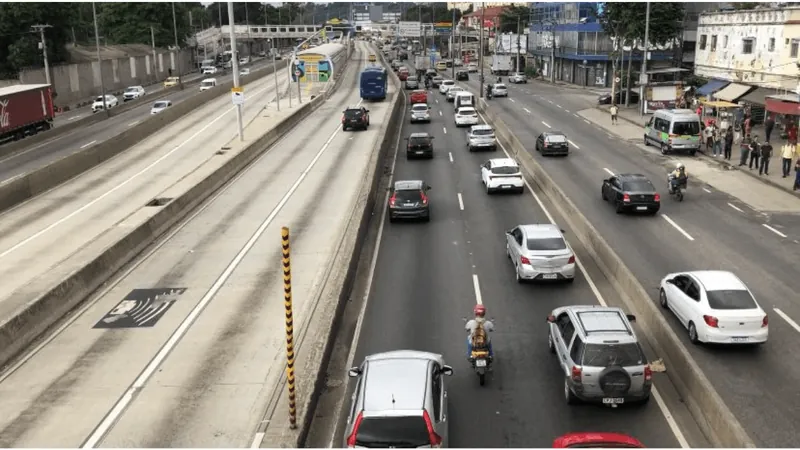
(507, 43)
(409, 29)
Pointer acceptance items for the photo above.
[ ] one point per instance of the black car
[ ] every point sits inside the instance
(631, 193)
(462, 75)
(409, 200)
(420, 145)
(605, 99)
(552, 143)
(355, 118)
(430, 73)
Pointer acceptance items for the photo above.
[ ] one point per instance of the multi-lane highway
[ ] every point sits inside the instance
(718, 226)
(39, 155)
(113, 384)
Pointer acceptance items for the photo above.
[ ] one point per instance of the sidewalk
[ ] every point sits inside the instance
(774, 179)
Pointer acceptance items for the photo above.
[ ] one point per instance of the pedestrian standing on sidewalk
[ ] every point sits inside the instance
(728, 143)
(769, 124)
(755, 152)
(708, 132)
(614, 110)
(766, 154)
(717, 137)
(744, 151)
(796, 175)
(748, 124)
(787, 154)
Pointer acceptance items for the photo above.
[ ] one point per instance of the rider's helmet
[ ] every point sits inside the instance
(680, 166)
(479, 311)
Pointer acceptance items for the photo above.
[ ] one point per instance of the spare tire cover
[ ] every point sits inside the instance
(614, 381)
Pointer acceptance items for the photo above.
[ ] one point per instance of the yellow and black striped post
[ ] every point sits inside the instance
(287, 303)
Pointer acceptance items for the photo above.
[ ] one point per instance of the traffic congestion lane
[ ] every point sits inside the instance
(719, 239)
(424, 285)
(203, 373)
(37, 156)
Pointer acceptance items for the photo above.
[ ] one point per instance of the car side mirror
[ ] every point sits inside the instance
(447, 370)
(562, 230)
(631, 317)
(551, 319)
(354, 372)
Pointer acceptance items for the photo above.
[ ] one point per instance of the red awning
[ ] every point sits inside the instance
(782, 107)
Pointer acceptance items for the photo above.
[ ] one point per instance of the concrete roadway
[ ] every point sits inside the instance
(428, 277)
(39, 235)
(39, 155)
(710, 229)
(212, 387)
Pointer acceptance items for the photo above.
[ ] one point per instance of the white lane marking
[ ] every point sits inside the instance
(477, 286)
(450, 155)
(460, 202)
(437, 100)
(587, 121)
(608, 171)
(445, 130)
(551, 102)
(133, 123)
(788, 319)
(75, 117)
(122, 404)
(512, 100)
(527, 110)
(707, 190)
(121, 185)
(774, 231)
(87, 144)
(440, 113)
(559, 106)
(677, 227)
(735, 207)
(566, 110)
(673, 425)
(258, 439)
(545, 124)
(576, 115)
(573, 144)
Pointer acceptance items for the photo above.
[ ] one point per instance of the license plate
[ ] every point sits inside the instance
(506, 186)
(550, 276)
(480, 363)
(613, 401)
(641, 208)
(740, 339)
(409, 204)
(419, 153)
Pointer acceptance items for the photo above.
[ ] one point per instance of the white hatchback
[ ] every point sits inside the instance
(466, 116)
(445, 86)
(715, 307)
(502, 174)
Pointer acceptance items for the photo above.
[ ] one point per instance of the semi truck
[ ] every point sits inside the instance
(25, 109)
(502, 64)
(422, 63)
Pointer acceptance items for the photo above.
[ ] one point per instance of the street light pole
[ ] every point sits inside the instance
(177, 47)
(99, 61)
(553, 52)
(644, 61)
(518, 49)
(235, 67)
(275, 71)
(40, 29)
(453, 42)
(480, 45)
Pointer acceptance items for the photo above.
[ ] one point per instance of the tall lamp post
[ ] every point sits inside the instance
(99, 60)
(644, 77)
(480, 44)
(177, 47)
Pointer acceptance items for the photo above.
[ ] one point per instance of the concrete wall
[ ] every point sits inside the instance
(78, 83)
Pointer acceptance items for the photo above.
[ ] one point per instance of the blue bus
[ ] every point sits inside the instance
(374, 83)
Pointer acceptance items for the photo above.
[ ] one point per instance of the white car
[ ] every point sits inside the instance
(160, 106)
(208, 70)
(466, 116)
(451, 93)
(244, 72)
(445, 86)
(208, 83)
(472, 67)
(132, 93)
(518, 78)
(245, 60)
(502, 174)
(499, 90)
(420, 112)
(539, 252)
(111, 101)
(715, 307)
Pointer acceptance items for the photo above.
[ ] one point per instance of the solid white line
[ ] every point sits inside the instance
(122, 404)
(460, 202)
(440, 113)
(788, 319)
(477, 286)
(545, 124)
(450, 155)
(573, 144)
(121, 185)
(774, 231)
(735, 207)
(87, 144)
(445, 130)
(512, 100)
(608, 171)
(675, 225)
(527, 110)
(673, 425)
(258, 440)
(551, 102)
(133, 123)
(559, 106)
(576, 115)
(587, 121)
(707, 190)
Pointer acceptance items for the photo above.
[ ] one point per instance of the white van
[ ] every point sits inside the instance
(674, 130)
(463, 99)
(208, 83)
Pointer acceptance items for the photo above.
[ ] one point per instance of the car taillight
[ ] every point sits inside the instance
(436, 440)
(648, 373)
(576, 374)
(571, 260)
(657, 198)
(765, 321)
(424, 198)
(546, 144)
(524, 260)
(342, 118)
(711, 321)
(392, 200)
(626, 198)
(351, 440)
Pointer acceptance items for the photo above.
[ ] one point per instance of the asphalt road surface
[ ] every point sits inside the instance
(710, 229)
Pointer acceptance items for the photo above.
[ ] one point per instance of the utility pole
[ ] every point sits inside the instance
(628, 77)
(155, 64)
(235, 67)
(99, 61)
(518, 46)
(424, 33)
(40, 29)
(480, 44)
(553, 53)
(219, 15)
(275, 71)
(177, 47)
(453, 42)
(644, 77)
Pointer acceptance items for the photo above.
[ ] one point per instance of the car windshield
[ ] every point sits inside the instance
(604, 355)
(482, 132)
(499, 86)
(208, 83)
(393, 432)
(686, 128)
(547, 244)
(466, 112)
(407, 196)
(731, 299)
(505, 170)
(438, 78)
(132, 89)
(99, 99)
(638, 186)
(411, 78)
(449, 83)
(556, 138)
(420, 140)
(160, 105)
(455, 89)
(353, 113)
(420, 108)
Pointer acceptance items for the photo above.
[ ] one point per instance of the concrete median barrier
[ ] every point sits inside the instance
(21, 188)
(716, 420)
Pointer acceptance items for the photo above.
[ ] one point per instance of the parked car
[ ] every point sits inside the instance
(98, 105)
(539, 252)
(631, 192)
(355, 118)
(619, 98)
(133, 93)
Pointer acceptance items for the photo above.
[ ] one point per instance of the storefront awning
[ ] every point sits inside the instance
(759, 96)
(783, 106)
(711, 87)
(719, 104)
(733, 92)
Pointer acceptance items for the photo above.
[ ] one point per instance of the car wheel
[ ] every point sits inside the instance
(392, 219)
(643, 401)
(664, 149)
(646, 142)
(662, 299)
(489, 191)
(550, 343)
(470, 148)
(568, 395)
(427, 217)
(693, 338)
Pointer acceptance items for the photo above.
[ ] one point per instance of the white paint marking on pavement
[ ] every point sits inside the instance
(258, 440)
(477, 285)
(74, 117)
(87, 144)
(788, 319)
(440, 113)
(673, 425)
(559, 106)
(774, 231)
(573, 144)
(707, 190)
(445, 130)
(735, 207)
(450, 155)
(576, 115)
(677, 227)
(587, 121)
(608, 171)
(122, 404)
(512, 100)
(133, 123)
(566, 110)
(437, 100)
(460, 202)
(551, 102)
(527, 110)
(545, 124)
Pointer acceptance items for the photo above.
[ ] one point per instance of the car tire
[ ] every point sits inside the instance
(693, 337)
(470, 148)
(643, 401)
(489, 191)
(521, 190)
(392, 219)
(508, 252)
(664, 149)
(427, 218)
(519, 279)
(569, 396)
(571, 280)
(619, 208)
(646, 142)
(662, 299)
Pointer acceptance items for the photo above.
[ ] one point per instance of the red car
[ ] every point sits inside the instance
(419, 96)
(596, 440)
(402, 74)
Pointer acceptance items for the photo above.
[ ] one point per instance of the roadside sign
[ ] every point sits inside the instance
(239, 89)
(237, 97)
(409, 29)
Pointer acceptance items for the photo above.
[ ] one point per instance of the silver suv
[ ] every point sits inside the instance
(481, 137)
(399, 401)
(599, 355)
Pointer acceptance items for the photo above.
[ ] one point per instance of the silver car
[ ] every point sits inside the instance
(518, 78)
(599, 354)
(481, 137)
(420, 112)
(499, 90)
(451, 93)
(540, 252)
(399, 401)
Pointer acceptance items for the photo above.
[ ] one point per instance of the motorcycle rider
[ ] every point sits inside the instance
(479, 326)
(678, 177)
(489, 90)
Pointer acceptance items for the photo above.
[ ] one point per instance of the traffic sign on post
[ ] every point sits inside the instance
(237, 95)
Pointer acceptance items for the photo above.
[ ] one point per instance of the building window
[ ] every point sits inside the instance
(703, 38)
(725, 41)
(771, 45)
(713, 42)
(748, 45)
(794, 48)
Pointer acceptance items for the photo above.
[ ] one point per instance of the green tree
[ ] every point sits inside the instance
(510, 16)
(19, 44)
(745, 5)
(129, 23)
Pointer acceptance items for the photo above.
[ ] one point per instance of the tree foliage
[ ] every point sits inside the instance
(627, 21)
(19, 44)
(129, 23)
(745, 5)
(509, 17)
